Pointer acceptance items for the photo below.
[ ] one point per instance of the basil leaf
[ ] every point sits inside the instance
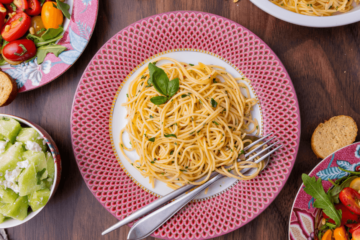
(152, 69)
(160, 81)
(152, 139)
(158, 100)
(173, 87)
(43, 51)
(64, 7)
(213, 103)
(170, 135)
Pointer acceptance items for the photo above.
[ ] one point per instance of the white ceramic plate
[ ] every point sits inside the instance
(308, 21)
(119, 122)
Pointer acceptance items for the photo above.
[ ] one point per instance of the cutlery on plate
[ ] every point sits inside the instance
(167, 198)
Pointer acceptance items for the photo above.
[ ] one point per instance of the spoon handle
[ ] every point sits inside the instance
(148, 224)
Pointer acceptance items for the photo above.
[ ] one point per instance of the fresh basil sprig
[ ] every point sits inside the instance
(161, 83)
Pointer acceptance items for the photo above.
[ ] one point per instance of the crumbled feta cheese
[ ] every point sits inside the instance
(2, 146)
(23, 164)
(49, 179)
(11, 178)
(39, 138)
(33, 146)
(18, 143)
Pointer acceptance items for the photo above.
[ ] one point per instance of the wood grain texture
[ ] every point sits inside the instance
(324, 65)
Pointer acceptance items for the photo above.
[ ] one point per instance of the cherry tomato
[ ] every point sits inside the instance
(21, 4)
(51, 16)
(346, 217)
(34, 8)
(10, 9)
(350, 198)
(340, 233)
(327, 235)
(356, 235)
(38, 26)
(6, 1)
(353, 227)
(2, 16)
(19, 50)
(355, 184)
(16, 27)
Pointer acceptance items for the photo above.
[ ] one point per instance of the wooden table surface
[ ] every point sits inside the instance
(324, 65)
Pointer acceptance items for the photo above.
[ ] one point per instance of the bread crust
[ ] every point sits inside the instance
(8, 94)
(333, 134)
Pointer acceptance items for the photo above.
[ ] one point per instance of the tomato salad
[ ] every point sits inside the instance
(30, 28)
(340, 207)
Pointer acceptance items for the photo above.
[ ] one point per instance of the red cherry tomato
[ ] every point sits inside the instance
(2, 16)
(11, 10)
(16, 27)
(21, 4)
(346, 217)
(19, 50)
(6, 1)
(34, 8)
(350, 198)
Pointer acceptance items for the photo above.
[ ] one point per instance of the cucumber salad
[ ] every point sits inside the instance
(26, 170)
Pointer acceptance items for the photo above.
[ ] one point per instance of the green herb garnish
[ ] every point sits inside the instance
(152, 139)
(170, 135)
(213, 103)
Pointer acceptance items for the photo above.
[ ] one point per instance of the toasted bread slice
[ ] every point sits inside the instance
(332, 135)
(8, 89)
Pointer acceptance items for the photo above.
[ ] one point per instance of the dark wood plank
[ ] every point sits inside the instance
(324, 65)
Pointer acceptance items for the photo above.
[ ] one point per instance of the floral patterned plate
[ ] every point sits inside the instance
(303, 214)
(78, 31)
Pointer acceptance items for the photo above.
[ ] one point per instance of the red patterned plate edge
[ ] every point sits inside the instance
(298, 125)
(301, 198)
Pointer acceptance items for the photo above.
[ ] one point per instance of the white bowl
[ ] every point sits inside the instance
(308, 21)
(55, 153)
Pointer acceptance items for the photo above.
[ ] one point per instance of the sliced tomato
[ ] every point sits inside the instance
(356, 235)
(19, 50)
(18, 26)
(21, 4)
(353, 227)
(350, 198)
(346, 217)
(2, 16)
(34, 8)
(6, 1)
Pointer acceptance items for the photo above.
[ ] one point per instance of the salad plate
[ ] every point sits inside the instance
(195, 36)
(77, 33)
(304, 216)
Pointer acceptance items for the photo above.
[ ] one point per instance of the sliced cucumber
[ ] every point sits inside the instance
(28, 181)
(38, 199)
(50, 165)
(9, 129)
(17, 210)
(30, 134)
(7, 195)
(4, 146)
(9, 159)
(38, 158)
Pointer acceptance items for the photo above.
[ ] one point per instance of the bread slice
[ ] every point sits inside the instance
(332, 135)
(8, 89)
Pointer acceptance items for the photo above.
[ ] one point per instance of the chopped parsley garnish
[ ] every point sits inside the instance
(184, 96)
(151, 116)
(170, 135)
(191, 64)
(215, 123)
(171, 153)
(152, 139)
(152, 162)
(213, 103)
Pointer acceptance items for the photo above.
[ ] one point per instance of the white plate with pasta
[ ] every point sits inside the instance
(175, 130)
(319, 13)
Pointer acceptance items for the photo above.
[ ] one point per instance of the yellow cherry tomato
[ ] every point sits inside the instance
(51, 16)
(340, 233)
(327, 235)
(355, 184)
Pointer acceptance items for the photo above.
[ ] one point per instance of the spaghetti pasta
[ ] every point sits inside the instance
(200, 129)
(316, 7)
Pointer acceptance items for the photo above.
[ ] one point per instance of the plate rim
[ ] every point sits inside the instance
(311, 171)
(262, 42)
(68, 66)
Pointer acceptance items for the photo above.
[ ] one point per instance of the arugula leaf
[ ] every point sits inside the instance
(43, 51)
(2, 61)
(42, 2)
(152, 139)
(50, 36)
(315, 189)
(352, 172)
(24, 50)
(173, 87)
(335, 191)
(64, 7)
(13, 6)
(158, 100)
(170, 135)
(213, 103)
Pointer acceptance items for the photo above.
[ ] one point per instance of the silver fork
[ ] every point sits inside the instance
(152, 221)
